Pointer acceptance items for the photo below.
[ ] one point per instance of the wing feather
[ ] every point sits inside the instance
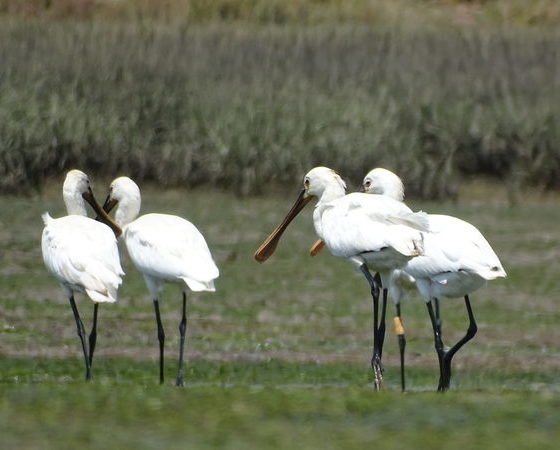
(83, 254)
(359, 223)
(171, 248)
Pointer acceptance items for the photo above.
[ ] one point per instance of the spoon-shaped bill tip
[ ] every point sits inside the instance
(269, 245)
(267, 248)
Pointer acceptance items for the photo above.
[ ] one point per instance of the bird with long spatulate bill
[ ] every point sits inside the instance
(373, 232)
(386, 183)
(457, 261)
(164, 248)
(82, 255)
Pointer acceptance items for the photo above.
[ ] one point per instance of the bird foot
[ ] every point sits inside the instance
(377, 372)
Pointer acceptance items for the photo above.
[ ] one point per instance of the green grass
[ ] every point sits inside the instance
(277, 417)
(263, 405)
(279, 356)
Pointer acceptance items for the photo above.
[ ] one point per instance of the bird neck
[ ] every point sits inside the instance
(394, 191)
(75, 204)
(127, 211)
(331, 192)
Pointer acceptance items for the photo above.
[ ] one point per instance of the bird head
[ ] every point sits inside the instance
(384, 182)
(316, 183)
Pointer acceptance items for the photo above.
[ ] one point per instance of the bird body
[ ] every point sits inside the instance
(366, 228)
(457, 260)
(374, 232)
(82, 254)
(167, 248)
(164, 248)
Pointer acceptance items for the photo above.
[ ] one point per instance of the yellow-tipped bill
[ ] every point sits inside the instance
(268, 247)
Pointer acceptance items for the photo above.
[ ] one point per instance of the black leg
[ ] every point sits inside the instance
(161, 339)
(399, 330)
(93, 334)
(375, 285)
(381, 327)
(438, 343)
(182, 331)
(81, 334)
(381, 332)
(438, 316)
(448, 356)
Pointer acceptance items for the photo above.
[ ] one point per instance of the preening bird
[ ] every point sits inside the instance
(164, 248)
(457, 260)
(373, 232)
(82, 255)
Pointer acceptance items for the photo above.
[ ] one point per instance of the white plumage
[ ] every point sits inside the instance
(457, 260)
(364, 228)
(168, 248)
(164, 248)
(82, 254)
(373, 231)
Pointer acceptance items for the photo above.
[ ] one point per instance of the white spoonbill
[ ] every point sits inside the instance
(383, 182)
(82, 254)
(164, 248)
(372, 231)
(457, 260)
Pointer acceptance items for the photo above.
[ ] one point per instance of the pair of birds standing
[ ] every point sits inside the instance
(82, 254)
(444, 256)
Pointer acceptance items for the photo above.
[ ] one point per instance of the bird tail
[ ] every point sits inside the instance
(108, 296)
(493, 272)
(104, 286)
(197, 285)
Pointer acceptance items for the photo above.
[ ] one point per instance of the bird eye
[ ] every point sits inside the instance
(306, 182)
(367, 183)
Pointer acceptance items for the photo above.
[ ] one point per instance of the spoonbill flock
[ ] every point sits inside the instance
(395, 248)
(444, 256)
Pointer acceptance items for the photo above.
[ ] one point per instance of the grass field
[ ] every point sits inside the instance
(279, 356)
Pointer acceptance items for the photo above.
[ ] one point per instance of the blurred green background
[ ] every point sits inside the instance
(246, 95)
(217, 109)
